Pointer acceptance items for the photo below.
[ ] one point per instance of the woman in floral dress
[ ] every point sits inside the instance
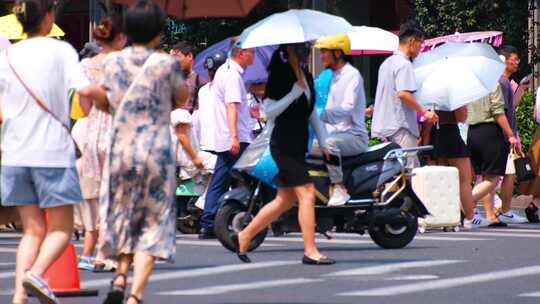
(140, 88)
(96, 138)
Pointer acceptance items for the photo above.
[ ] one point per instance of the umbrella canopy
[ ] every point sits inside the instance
(456, 74)
(11, 29)
(293, 26)
(493, 38)
(253, 74)
(203, 8)
(4, 43)
(367, 40)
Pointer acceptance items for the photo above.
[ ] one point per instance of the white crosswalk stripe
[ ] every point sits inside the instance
(214, 290)
(501, 234)
(531, 294)
(7, 274)
(213, 243)
(393, 267)
(447, 283)
(200, 272)
(321, 241)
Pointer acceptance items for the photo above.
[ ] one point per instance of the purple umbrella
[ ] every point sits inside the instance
(255, 73)
(4, 43)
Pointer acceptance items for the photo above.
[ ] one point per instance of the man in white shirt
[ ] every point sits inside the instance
(344, 113)
(394, 117)
(204, 112)
(232, 133)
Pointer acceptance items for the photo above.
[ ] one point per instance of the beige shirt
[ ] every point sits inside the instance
(486, 108)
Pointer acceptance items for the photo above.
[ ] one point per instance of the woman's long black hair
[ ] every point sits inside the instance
(281, 77)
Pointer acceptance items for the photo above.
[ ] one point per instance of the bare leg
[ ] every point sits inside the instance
(306, 218)
(284, 200)
(465, 188)
(34, 231)
(507, 190)
(483, 189)
(142, 268)
(90, 240)
(59, 230)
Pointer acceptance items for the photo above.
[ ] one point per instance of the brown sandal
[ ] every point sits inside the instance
(131, 296)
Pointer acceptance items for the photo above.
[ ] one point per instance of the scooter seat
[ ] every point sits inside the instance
(373, 154)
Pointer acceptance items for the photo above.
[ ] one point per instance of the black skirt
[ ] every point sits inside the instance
(293, 170)
(489, 149)
(447, 142)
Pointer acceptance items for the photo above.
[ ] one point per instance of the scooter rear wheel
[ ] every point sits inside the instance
(393, 236)
(229, 220)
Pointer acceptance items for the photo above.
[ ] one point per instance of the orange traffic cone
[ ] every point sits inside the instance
(63, 275)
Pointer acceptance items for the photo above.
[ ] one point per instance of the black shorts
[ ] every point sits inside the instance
(447, 142)
(489, 149)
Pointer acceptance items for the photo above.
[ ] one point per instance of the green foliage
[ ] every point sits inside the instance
(525, 120)
(445, 17)
(372, 141)
(200, 32)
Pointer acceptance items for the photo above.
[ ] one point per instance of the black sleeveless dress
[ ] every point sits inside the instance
(289, 140)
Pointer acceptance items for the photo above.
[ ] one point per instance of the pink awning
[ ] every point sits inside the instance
(493, 38)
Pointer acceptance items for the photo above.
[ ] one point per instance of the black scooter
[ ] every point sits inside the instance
(382, 202)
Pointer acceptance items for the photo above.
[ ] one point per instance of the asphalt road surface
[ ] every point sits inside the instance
(484, 266)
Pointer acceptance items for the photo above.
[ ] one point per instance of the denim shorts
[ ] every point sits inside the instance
(45, 187)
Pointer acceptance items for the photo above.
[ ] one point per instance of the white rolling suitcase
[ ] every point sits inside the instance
(438, 188)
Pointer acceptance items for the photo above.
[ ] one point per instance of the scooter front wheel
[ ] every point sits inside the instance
(389, 236)
(230, 219)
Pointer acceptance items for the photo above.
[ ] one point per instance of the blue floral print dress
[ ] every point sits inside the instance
(137, 190)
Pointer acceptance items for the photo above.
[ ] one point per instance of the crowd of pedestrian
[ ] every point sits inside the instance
(151, 119)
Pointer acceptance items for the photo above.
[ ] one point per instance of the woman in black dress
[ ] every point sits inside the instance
(289, 102)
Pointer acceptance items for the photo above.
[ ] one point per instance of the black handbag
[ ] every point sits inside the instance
(524, 168)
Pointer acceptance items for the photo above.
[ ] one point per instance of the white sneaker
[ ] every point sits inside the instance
(339, 197)
(476, 222)
(511, 218)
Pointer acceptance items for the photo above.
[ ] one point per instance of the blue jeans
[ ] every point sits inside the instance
(219, 184)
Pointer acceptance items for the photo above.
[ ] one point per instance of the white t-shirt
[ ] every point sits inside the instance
(182, 116)
(205, 121)
(30, 136)
(228, 87)
(188, 169)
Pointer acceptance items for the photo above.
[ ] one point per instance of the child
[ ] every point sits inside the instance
(194, 163)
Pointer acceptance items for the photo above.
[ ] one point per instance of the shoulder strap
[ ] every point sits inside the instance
(38, 100)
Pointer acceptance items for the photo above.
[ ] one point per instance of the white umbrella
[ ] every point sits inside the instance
(372, 40)
(293, 26)
(456, 73)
